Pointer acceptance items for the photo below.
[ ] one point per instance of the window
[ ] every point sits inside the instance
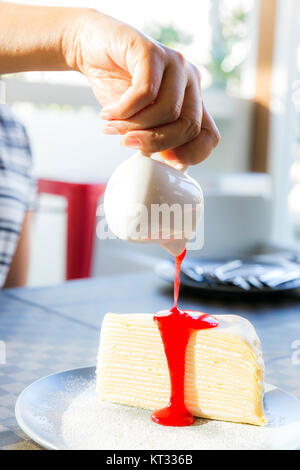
(294, 174)
(284, 155)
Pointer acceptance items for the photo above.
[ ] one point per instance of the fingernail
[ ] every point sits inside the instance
(133, 142)
(106, 114)
(110, 130)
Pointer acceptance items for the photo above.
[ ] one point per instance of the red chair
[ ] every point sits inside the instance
(81, 222)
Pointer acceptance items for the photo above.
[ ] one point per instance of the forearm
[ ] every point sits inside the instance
(35, 38)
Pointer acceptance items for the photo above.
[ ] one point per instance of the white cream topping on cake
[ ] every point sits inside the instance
(224, 368)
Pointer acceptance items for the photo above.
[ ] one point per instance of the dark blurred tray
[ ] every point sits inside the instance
(166, 269)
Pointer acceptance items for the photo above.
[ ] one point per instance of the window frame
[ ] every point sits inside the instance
(283, 117)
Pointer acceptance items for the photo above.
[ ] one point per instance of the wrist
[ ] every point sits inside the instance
(76, 23)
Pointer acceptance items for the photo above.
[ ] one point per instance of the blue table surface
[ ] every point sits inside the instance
(45, 330)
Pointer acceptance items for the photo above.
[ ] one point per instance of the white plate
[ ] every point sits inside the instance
(62, 411)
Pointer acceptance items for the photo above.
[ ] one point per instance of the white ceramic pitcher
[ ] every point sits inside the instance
(148, 201)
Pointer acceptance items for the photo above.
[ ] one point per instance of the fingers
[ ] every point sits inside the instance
(162, 109)
(147, 72)
(177, 133)
(200, 148)
(164, 137)
(166, 109)
(193, 151)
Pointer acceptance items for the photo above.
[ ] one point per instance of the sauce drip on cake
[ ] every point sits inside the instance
(175, 327)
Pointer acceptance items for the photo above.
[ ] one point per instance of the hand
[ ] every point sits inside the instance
(150, 93)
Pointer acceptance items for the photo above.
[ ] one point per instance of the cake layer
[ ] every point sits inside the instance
(224, 368)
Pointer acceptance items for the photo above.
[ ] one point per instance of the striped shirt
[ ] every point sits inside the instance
(17, 185)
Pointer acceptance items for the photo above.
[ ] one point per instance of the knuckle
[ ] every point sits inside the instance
(173, 113)
(148, 91)
(215, 137)
(192, 128)
(179, 58)
(154, 50)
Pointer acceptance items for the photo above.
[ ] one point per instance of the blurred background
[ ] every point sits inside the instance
(249, 55)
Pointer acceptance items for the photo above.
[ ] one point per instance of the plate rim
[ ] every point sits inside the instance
(45, 444)
(33, 436)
